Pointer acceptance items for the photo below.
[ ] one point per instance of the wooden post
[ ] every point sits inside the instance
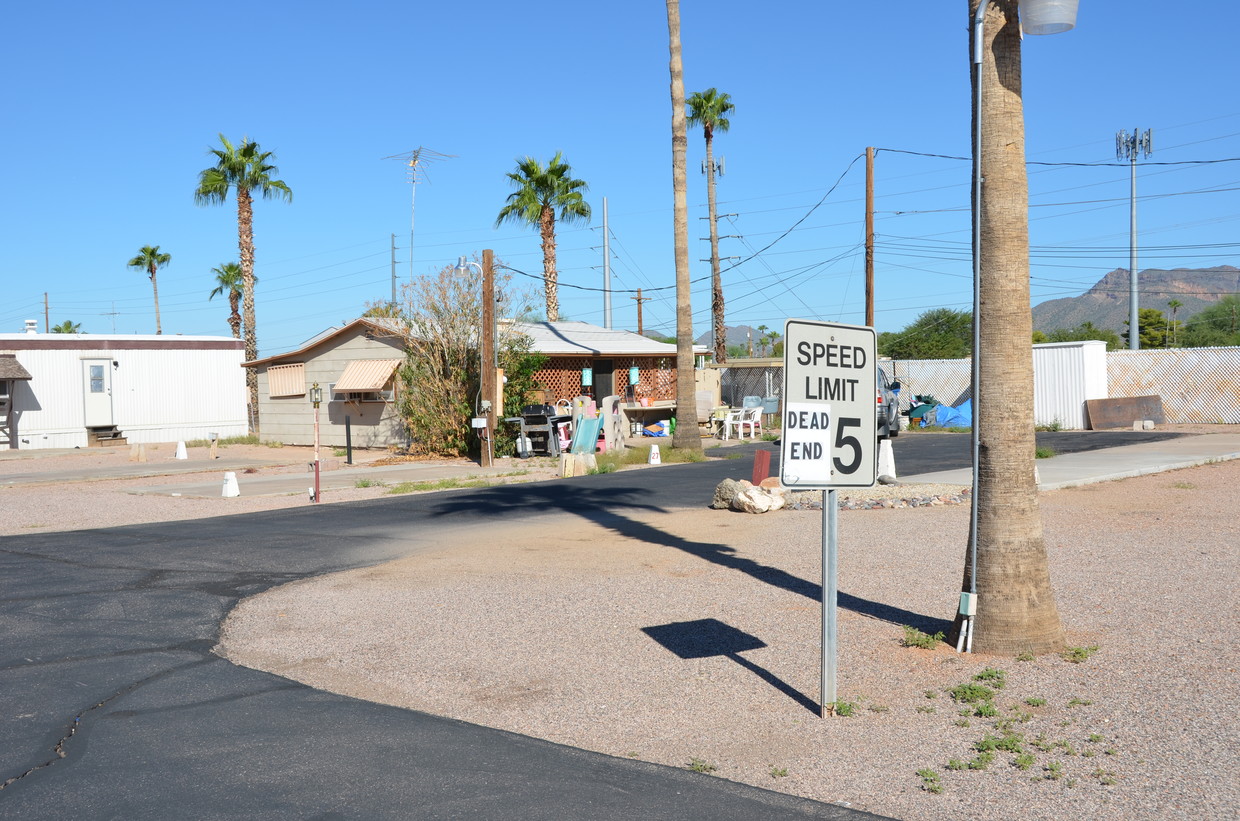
(869, 236)
(488, 355)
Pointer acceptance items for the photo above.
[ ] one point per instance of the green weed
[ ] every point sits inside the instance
(971, 693)
(997, 678)
(915, 638)
(1036, 702)
(1024, 761)
(701, 765)
(368, 483)
(440, 484)
(1025, 656)
(925, 708)
(779, 772)
(845, 709)
(930, 781)
(1054, 770)
(1079, 702)
(1077, 655)
(1043, 453)
(962, 722)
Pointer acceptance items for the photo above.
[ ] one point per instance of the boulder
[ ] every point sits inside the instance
(752, 500)
(726, 492)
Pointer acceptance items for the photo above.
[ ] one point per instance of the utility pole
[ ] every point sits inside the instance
(607, 273)
(393, 270)
(709, 167)
(489, 363)
(112, 314)
(47, 322)
(869, 236)
(640, 299)
(1128, 147)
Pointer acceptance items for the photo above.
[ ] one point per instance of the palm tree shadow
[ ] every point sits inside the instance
(599, 504)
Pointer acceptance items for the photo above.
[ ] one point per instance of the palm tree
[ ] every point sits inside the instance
(543, 194)
(228, 279)
(709, 109)
(246, 169)
(150, 260)
(67, 327)
(762, 337)
(1016, 609)
(686, 435)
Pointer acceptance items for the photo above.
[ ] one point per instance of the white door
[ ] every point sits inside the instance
(97, 387)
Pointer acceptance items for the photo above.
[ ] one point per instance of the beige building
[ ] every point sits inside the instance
(355, 367)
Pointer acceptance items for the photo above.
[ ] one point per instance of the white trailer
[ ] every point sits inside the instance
(84, 390)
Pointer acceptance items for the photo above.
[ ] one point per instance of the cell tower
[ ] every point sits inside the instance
(1129, 147)
(415, 172)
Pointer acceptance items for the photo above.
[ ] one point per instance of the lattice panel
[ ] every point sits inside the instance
(1196, 384)
(561, 376)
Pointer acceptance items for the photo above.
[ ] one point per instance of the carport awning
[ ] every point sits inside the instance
(10, 368)
(366, 374)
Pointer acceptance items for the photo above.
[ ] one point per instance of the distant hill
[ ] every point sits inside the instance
(736, 335)
(1106, 304)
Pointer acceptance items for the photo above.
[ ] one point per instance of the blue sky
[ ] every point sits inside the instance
(109, 110)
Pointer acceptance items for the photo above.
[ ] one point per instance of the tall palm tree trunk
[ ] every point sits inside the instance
(686, 435)
(245, 244)
(546, 227)
(155, 288)
(1016, 606)
(720, 331)
(234, 317)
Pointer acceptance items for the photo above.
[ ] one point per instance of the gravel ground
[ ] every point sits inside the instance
(547, 638)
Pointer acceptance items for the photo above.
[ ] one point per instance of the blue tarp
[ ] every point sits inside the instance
(960, 416)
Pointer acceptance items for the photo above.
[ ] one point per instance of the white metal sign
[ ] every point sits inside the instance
(829, 435)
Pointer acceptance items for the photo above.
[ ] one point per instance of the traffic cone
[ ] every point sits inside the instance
(655, 459)
(230, 485)
(181, 452)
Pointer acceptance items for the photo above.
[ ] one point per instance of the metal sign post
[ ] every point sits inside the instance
(828, 441)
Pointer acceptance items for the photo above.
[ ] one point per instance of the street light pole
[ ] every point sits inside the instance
(488, 355)
(1037, 17)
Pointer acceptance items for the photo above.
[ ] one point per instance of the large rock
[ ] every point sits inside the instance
(752, 500)
(726, 492)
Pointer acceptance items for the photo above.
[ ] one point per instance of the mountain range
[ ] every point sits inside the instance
(1106, 304)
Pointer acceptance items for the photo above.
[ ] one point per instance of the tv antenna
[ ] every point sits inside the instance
(415, 162)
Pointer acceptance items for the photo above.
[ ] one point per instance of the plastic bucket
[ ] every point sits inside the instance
(1047, 16)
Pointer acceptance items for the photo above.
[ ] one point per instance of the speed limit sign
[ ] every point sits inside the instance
(829, 434)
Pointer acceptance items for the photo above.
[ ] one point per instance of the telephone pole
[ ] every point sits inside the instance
(640, 299)
(607, 274)
(1128, 147)
(394, 270)
(869, 236)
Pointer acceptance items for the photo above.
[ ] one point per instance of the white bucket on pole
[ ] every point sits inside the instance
(230, 485)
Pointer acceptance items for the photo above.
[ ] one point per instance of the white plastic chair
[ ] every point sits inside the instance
(741, 417)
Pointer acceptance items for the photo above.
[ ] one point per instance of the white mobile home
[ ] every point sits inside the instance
(83, 390)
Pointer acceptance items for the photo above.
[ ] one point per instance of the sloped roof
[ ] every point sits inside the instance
(582, 338)
(382, 327)
(10, 368)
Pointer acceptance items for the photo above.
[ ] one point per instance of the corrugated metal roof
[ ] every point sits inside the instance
(559, 338)
(10, 368)
(366, 374)
(384, 328)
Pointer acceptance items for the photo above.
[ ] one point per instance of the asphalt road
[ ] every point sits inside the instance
(113, 706)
